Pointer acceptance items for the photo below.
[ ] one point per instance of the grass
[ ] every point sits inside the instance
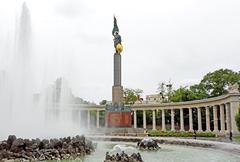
(237, 138)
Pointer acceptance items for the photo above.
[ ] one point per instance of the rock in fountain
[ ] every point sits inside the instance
(123, 157)
(148, 143)
(54, 149)
(125, 148)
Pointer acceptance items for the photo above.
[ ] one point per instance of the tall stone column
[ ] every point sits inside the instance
(222, 118)
(228, 118)
(172, 120)
(234, 108)
(163, 120)
(117, 89)
(181, 120)
(135, 119)
(80, 118)
(199, 119)
(215, 118)
(190, 120)
(97, 119)
(207, 120)
(88, 119)
(144, 120)
(153, 120)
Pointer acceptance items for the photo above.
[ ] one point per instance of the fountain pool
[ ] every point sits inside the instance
(167, 153)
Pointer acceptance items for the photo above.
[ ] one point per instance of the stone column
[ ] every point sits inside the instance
(88, 119)
(234, 108)
(215, 118)
(181, 120)
(222, 118)
(80, 119)
(190, 120)
(144, 120)
(228, 119)
(207, 120)
(199, 119)
(163, 120)
(117, 89)
(135, 119)
(97, 119)
(172, 120)
(153, 120)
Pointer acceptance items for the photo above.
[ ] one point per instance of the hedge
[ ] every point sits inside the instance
(156, 133)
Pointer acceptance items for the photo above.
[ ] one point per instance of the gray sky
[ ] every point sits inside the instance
(173, 39)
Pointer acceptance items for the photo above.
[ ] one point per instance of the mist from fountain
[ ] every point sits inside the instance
(22, 112)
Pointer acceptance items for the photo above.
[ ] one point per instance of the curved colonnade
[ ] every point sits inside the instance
(214, 114)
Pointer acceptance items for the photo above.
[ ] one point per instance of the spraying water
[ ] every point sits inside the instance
(22, 112)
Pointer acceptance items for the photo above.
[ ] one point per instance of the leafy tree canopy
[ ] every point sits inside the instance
(213, 84)
(217, 82)
(131, 95)
(103, 102)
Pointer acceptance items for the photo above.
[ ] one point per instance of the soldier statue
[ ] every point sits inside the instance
(117, 38)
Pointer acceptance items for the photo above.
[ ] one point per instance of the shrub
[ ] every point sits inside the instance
(156, 133)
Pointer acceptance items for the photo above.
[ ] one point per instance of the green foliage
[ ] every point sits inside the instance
(103, 102)
(131, 95)
(187, 94)
(157, 133)
(182, 94)
(237, 138)
(237, 118)
(216, 83)
(213, 84)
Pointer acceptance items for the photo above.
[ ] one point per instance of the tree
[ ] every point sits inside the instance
(237, 118)
(198, 91)
(103, 102)
(216, 83)
(182, 94)
(131, 95)
(213, 84)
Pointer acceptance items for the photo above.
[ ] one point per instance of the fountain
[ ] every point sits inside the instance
(23, 112)
(46, 114)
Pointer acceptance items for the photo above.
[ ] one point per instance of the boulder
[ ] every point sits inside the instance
(37, 150)
(123, 157)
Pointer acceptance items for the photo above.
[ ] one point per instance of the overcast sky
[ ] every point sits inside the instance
(179, 40)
